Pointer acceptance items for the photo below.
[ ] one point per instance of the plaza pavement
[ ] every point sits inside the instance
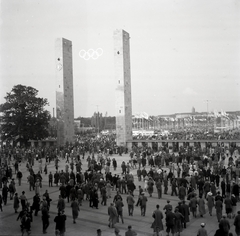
(90, 219)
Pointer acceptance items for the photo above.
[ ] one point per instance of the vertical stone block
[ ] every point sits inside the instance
(123, 87)
(64, 91)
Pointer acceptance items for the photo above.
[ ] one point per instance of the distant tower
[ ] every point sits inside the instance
(64, 91)
(193, 110)
(123, 87)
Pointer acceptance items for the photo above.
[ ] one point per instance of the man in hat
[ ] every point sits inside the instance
(99, 232)
(36, 204)
(157, 225)
(113, 215)
(185, 212)
(202, 231)
(235, 190)
(167, 207)
(219, 208)
(237, 223)
(159, 188)
(170, 222)
(117, 231)
(130, 201)
(218, 197)
(143, 203)
(130, 232)
(224, 225)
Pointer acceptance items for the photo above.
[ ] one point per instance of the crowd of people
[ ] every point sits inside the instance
(191, 134)
(202, 180)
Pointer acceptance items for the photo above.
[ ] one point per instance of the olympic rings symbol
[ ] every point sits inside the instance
(91, 53)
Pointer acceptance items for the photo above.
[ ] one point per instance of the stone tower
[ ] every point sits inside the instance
(64, 91)
(123, 87)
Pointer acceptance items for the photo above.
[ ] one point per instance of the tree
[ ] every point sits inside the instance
(23, 116)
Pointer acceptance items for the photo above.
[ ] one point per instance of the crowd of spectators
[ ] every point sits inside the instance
(191, 134)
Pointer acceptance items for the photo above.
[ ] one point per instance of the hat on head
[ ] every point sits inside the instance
(99, 230)
(116, 230)
(202, 224)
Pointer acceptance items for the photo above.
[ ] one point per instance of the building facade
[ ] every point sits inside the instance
(123, 87)
(64, 91)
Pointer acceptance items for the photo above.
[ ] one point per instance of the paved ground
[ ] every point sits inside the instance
(91, 219)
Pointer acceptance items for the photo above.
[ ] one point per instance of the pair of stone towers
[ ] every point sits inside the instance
(64, 89)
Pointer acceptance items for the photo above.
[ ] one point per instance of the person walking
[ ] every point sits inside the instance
(167, 207)
(95, 200)
(30, 179)
(1, 201)
(170, 222)
(130, 232)
(11, 189)
(109, 189)
(174, 187)
(178, 221)
(36, 204)
(130, 201)
(5, 193)
(193, 206)
(50, 179)
(219, 208)
(159, 188)
(224, 225)
(104, 196)
(113, 216)
(19, 177)
(45, 218)
(75, 210)
(202, 231)
(37, 187)
(16, 202)
(119, 206)
(236, 223)
(182, 192)
(60, 204)
(234, 205)
(23, 200)
(60, 227)
(143, 204)
(140, 190)
(210, 202)
(157, 224)
(201, 206)
(228, 206)
(185, 212)
(116, 232)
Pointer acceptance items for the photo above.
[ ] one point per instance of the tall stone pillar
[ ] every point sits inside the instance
(64, 91)
(123, 87)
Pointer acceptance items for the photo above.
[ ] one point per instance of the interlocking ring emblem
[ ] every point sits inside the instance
(91, 54)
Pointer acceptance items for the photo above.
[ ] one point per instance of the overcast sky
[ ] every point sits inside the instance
(183, 52)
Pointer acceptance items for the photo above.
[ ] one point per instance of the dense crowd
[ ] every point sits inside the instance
(203, 181)
(191, 134)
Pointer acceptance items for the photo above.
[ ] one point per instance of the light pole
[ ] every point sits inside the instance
(207, 113)
(97, 120)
